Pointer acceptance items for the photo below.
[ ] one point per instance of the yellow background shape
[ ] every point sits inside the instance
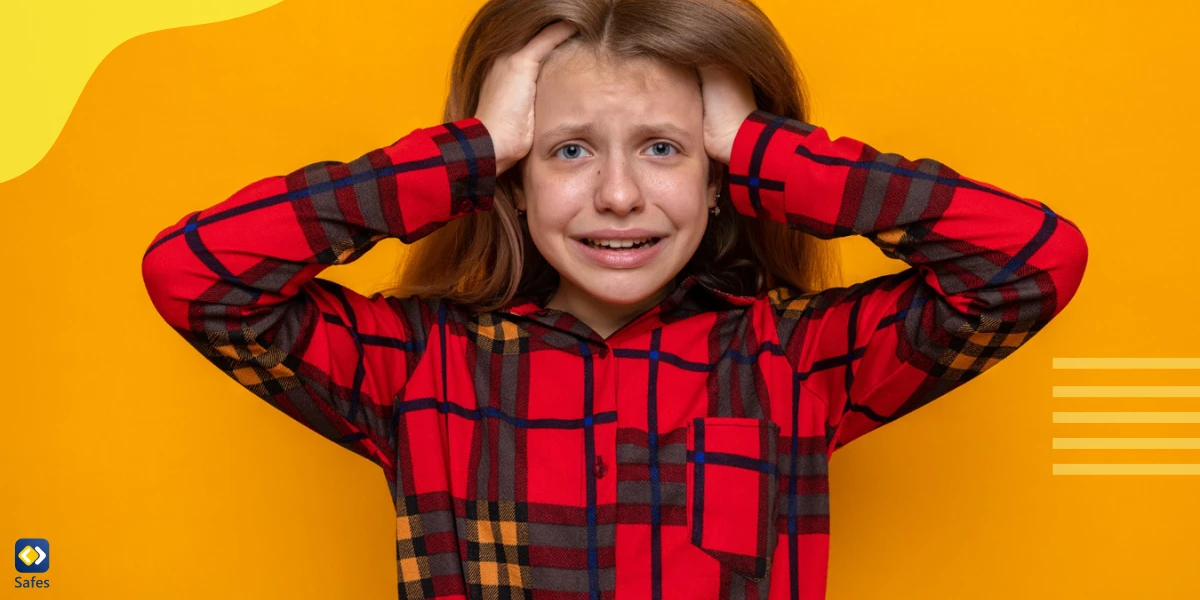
(48, 48)
(155, 476)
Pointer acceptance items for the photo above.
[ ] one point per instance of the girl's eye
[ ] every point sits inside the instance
(573, 151)
(664, 146)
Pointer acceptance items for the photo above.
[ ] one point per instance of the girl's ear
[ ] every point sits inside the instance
(510, 181)
(716, 174)
(518, 193)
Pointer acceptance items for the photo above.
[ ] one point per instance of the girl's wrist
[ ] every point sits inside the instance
(503, 164)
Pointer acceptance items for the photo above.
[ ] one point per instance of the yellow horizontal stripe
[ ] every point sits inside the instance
(1127, 391)
(1127, 443)
(1127, 417)
(1126, 469)
(1127, 363)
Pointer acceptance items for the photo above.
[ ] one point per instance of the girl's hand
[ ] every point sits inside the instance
(728, 99)
(506, 97)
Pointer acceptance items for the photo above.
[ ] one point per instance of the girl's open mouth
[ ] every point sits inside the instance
(620, 254)
(621, 244)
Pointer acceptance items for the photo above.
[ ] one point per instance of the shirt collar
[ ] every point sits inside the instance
(691, 295)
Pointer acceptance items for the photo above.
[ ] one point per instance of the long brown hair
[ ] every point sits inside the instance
(483, 260)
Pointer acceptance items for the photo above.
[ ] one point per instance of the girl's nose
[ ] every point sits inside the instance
(619, 191)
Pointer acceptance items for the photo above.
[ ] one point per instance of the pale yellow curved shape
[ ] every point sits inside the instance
(49, 49)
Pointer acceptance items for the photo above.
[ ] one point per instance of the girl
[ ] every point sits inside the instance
(609, 371)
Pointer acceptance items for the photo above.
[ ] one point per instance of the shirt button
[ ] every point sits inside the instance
(600, 469)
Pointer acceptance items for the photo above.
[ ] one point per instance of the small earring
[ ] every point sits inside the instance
(716, 209)
(520, 213)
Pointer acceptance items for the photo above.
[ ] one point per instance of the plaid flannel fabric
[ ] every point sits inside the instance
(686, 455)
(732, 490)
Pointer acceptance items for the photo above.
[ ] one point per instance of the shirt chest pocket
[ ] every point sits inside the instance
(732, 491)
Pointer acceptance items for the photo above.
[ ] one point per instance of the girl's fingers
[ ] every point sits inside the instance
(548, 39)
(728, 98)
(710, 75)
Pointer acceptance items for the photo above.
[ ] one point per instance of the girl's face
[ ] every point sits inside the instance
(617, 160)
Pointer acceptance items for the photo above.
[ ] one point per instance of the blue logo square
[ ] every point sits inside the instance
(32, 555)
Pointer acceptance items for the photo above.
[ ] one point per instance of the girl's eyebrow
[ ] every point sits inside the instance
(645, 130)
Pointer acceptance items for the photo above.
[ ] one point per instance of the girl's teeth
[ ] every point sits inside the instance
(617, 244)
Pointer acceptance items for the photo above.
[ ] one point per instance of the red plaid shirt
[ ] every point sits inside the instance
(686, 455)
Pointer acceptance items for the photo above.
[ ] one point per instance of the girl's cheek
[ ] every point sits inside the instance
(554, 212)
(563, 198)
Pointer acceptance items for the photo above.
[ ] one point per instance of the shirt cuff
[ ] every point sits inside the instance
(760, 162)
(469, 160)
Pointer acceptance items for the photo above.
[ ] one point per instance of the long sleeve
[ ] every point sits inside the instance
(236, 280)
(987, 270)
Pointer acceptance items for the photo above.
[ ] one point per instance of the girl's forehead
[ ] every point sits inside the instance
(615, 114)
(577, 65)
(581, 86)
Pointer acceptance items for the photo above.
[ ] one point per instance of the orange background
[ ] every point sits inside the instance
(153, 475)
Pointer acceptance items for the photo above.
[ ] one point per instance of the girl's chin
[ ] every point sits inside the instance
(622, 293)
